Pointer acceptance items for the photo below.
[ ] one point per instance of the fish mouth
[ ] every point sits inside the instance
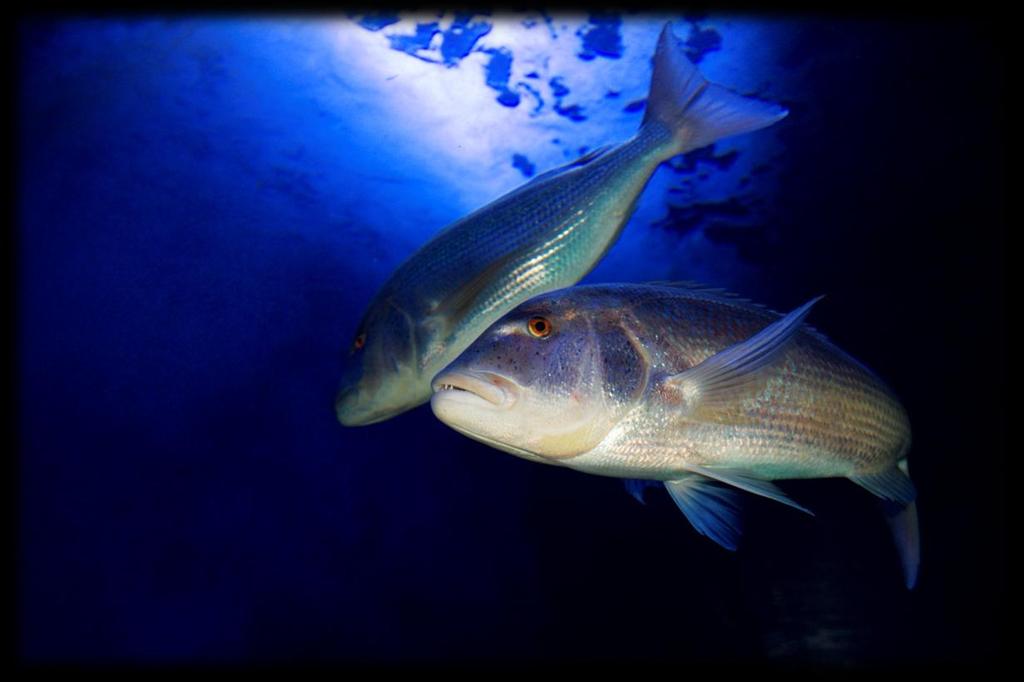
(472, 387)
(348, 418)
(351, 412)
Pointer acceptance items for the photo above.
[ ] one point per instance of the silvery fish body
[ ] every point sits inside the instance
(543, 236)
(687, 386)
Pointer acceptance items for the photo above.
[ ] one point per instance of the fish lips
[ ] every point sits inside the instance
(477, 389)
(348, 417)
(351, 410)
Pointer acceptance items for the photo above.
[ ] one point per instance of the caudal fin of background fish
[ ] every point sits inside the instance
(697, 111)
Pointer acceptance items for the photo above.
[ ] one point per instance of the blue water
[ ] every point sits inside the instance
(206, 205)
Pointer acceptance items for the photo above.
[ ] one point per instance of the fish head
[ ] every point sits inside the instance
(548, 381)
(380, 377)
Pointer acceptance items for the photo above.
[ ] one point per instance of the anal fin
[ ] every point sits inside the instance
(744, 481)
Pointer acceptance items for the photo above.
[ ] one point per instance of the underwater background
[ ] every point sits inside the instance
(205, 205)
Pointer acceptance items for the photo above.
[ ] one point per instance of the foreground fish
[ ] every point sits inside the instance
(685, 385)
(543, 236)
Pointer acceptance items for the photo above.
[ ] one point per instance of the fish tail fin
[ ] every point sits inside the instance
(697, 111)
(899, 504)
(903, 524)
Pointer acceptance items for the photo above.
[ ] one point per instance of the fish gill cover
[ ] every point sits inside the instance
(206, 205)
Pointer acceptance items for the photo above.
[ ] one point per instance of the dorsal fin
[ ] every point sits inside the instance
(713, 292)
(730, 297)
(582, 161)
(589, 156)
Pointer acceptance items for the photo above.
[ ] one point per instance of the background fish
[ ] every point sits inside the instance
(688, 386)
(544, 235)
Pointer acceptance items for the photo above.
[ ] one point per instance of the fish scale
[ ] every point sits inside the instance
(538, 235)
(831, 406)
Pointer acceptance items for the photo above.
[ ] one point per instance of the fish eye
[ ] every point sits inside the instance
(359, 342)
(539, 327)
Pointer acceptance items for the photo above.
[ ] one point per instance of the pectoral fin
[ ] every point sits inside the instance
(722, 377)
(447, 314)
(461, 301)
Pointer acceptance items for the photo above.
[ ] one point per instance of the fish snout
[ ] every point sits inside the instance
(345, 406)
(476, 388)
(353, 410)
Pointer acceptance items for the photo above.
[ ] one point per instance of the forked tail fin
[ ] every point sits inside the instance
(697, 111)
(903, 524)
(898, 501)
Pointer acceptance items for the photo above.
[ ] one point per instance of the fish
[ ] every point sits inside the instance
(545, 235)
(689, 387)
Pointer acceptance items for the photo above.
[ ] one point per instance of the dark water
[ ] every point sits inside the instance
(204, 207)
